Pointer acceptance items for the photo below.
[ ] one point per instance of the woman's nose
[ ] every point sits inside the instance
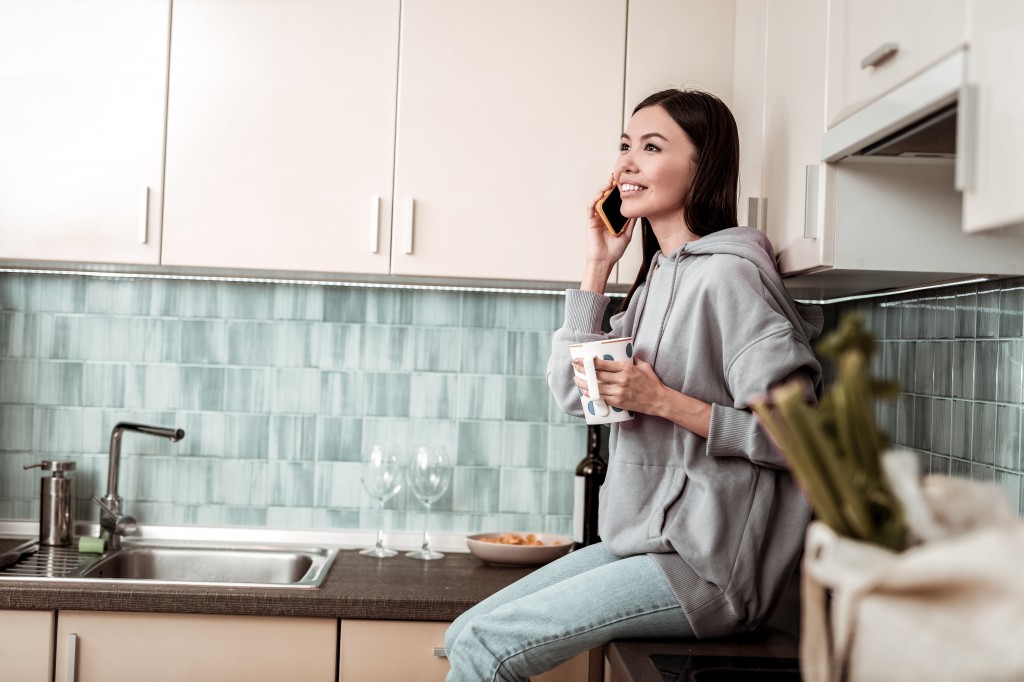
(625, 162)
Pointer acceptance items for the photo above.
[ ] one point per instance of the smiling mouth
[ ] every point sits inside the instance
(630, 188)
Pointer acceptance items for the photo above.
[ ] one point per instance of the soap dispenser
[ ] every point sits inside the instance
(56, 504)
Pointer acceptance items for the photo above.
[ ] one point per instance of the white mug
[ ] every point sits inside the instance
(596, 410)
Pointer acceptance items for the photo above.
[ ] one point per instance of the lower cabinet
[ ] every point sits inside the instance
(385, 651)
(26, 646)
(111, 647)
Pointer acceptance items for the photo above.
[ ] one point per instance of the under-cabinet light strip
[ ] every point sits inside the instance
(310, 282)
(893, 292)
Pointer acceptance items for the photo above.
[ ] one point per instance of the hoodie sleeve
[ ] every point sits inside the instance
(584, 311)
(768, 351)
(738, 433)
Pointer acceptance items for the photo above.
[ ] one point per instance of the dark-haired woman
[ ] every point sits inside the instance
(701, 523)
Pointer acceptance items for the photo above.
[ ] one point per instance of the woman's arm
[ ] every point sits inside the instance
(637, 388)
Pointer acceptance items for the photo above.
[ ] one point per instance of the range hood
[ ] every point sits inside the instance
(922, 118)
(933, 137)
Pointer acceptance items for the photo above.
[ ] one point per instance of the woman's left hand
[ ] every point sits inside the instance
(625, 384)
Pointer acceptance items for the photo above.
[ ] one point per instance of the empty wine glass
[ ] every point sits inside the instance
(382, 478)
(429, 474)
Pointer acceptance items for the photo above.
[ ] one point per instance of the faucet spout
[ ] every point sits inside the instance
(111, 503)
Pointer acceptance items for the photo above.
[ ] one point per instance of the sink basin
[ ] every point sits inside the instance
(205, 565)
(177, 564)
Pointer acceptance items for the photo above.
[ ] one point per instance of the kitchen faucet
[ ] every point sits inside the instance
(111, 519)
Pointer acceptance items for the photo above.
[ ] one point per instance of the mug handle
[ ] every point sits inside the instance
(600, 406)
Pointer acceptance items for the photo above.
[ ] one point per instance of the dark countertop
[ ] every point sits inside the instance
(356, 587)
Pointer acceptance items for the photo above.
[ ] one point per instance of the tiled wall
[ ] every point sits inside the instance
(958, 354)
(280, 389)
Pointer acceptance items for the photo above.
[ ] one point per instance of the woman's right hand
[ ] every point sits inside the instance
(604, 249)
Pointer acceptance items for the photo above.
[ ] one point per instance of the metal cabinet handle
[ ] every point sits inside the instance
(440, 652)
(374, 223)
(144, 214)
(410, 212)
(882, 53)
(72, 657)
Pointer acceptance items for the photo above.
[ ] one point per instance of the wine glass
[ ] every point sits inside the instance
(382, 478)
(429, 474)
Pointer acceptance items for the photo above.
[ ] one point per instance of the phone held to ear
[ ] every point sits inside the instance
(608, 207)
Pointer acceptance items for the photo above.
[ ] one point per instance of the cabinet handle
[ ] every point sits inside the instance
(757, 211)
(144, 214)
(410, 212)
(72, 657)
(966, 129)
(374, 223)
(882, 53)
(440, 652)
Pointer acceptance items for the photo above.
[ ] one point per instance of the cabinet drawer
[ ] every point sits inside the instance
(874, 45)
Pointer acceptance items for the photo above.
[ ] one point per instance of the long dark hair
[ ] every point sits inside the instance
(710, 205)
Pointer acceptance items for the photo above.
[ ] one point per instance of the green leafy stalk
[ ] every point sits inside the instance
(834, 450)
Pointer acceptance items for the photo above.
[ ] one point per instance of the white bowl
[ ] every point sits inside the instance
(519, 555)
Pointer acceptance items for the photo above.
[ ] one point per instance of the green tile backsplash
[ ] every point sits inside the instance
(958, 354)
(280, 389)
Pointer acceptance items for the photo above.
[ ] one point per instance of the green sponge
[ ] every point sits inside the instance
(91, 545)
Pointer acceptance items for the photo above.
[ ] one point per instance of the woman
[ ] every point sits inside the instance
(701, 524)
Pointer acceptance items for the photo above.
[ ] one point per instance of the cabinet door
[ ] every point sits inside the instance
(26, 645)
(509, 117)
(794, 122)
(748, 103)
(994, 110)
(280, 134)
(113, 647)
(384, 651)
(922, 31)
(82, 86)
(412, 651)
(675, 45)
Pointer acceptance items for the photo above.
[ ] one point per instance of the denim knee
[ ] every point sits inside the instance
(479, 651)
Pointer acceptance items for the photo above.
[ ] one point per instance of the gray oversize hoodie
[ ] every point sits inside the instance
(721, 516)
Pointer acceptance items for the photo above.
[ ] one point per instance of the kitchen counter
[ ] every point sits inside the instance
(356, 587)
(359, 587)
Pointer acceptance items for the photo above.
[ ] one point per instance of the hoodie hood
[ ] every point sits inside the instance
(754, 246)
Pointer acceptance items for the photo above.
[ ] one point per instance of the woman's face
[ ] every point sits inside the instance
(655, 166)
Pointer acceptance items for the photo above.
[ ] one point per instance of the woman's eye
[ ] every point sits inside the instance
(623, 147)
(652, 148)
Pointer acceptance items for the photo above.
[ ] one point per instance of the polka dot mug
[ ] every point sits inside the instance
(595, 410)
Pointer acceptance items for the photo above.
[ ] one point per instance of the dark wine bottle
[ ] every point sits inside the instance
(590, 473)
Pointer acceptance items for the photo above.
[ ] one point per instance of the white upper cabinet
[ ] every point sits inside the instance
(280, 134)
(748, 96)
(673, 45)
(794, 120)
(874, 45)
(82, 98)
(994, 148)
(509, 116)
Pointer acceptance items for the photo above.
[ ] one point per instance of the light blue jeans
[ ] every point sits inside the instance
(585, 599)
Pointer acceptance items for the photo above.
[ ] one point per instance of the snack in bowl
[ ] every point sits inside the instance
(518, 549)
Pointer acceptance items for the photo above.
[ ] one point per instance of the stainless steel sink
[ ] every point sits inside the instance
(174, 564)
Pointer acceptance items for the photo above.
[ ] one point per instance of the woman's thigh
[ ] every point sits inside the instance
(572, 564)
(564, 612)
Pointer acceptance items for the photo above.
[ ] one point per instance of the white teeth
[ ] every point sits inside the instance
(631, 188)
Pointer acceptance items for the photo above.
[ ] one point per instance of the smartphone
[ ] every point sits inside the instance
(608, 207)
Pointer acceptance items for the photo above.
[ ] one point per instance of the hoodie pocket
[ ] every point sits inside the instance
(673, 493)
